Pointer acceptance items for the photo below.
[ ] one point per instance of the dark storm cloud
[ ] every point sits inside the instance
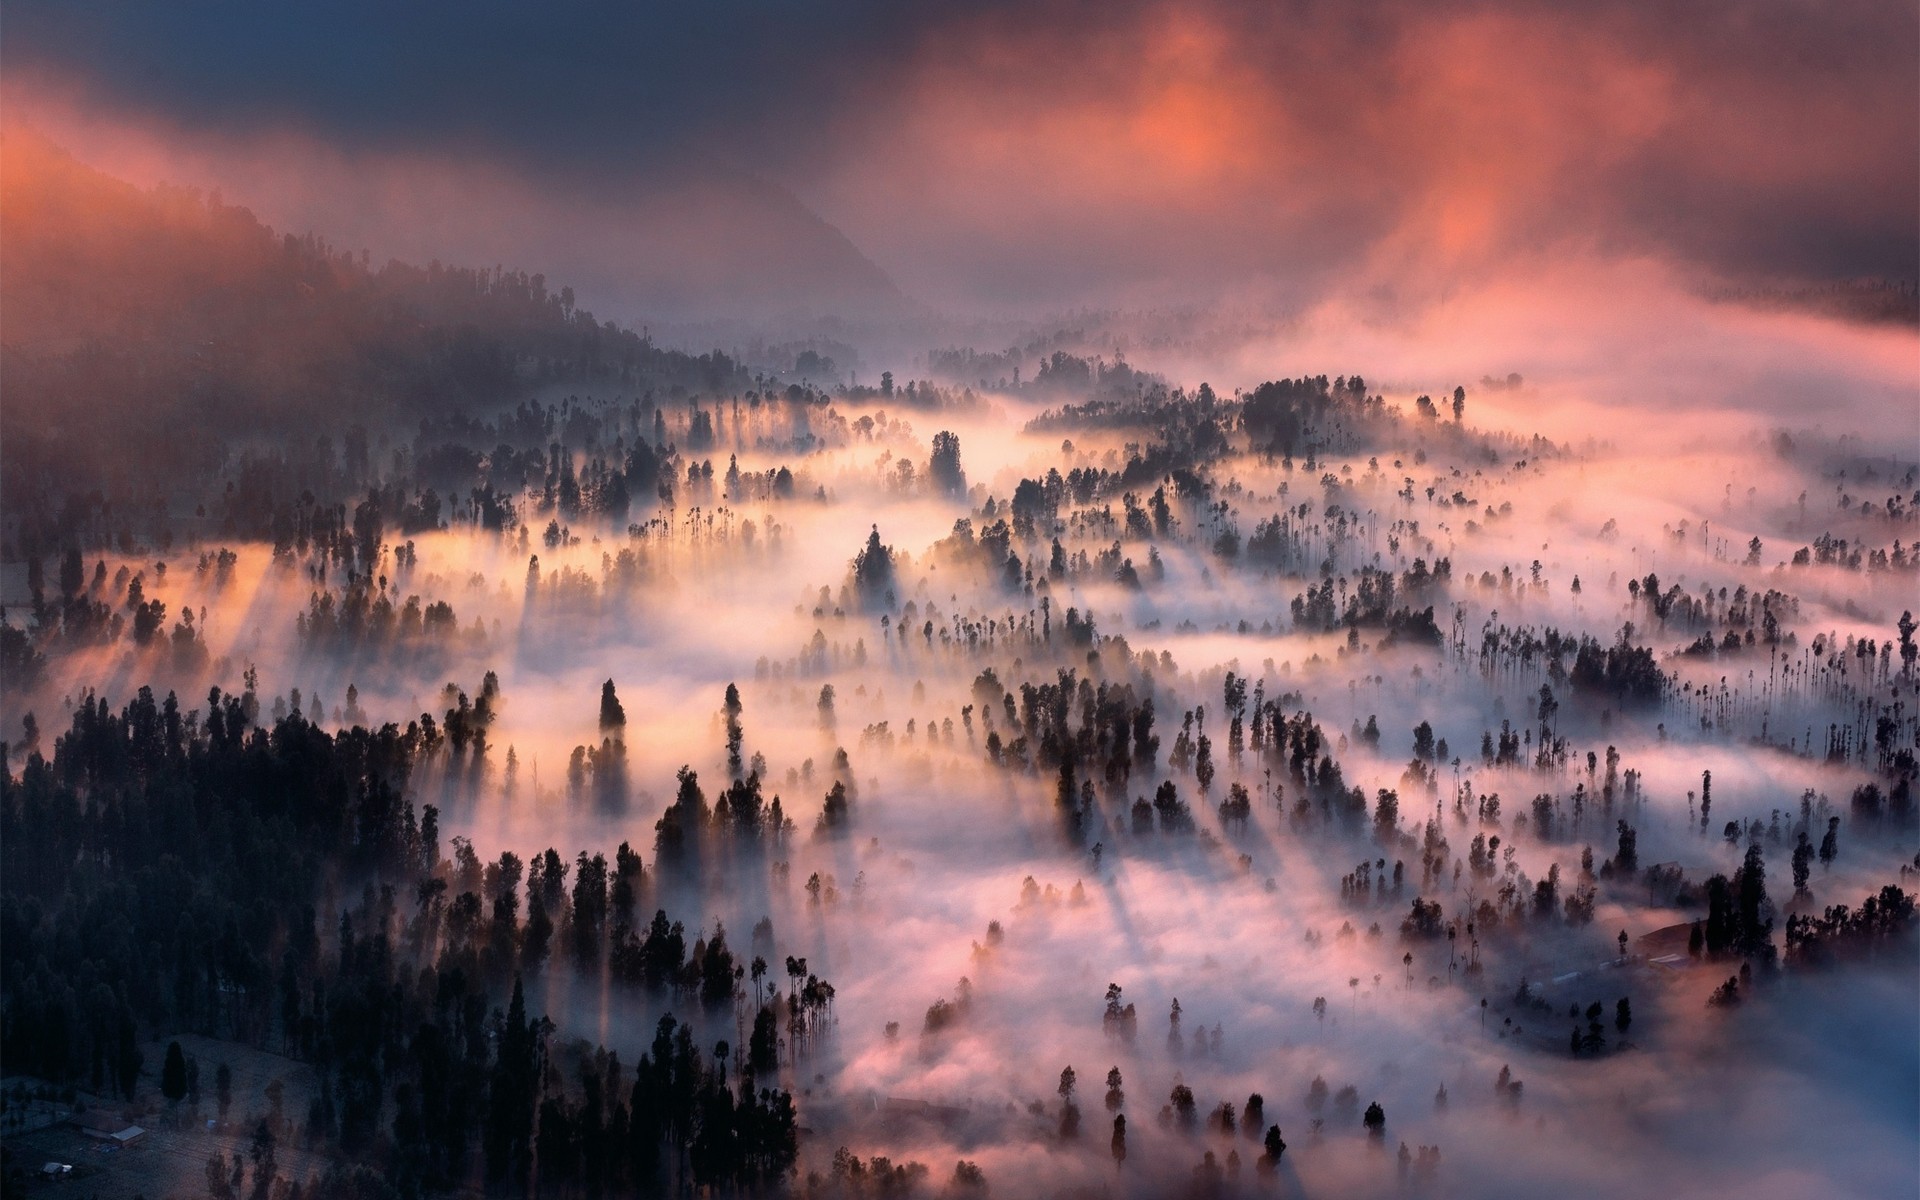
(561, 86)
(1059, 151)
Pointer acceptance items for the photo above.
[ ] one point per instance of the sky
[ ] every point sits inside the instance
(989, 157)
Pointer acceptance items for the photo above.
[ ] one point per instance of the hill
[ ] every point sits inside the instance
(143, 331)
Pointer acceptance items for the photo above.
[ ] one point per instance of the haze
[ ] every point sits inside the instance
(1037, 600)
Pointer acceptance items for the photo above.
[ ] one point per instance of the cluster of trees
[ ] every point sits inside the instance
(1590, 1040)
(95, 611)
(1285, 418)
(1740, 914)
(873, 572)
(692, 831)
(166, 870)
(1113, 734)
(1371, 605)
(1841, 933)
(364, 621)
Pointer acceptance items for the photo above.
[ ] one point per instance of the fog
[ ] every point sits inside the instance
(1281, 555)
(941, 843)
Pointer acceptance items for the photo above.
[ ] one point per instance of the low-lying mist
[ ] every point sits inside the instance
(1360, 618)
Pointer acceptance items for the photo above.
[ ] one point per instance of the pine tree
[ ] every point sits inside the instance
(1276, 1146)
(1375, 1120)
(613, 718)
(173, 1073)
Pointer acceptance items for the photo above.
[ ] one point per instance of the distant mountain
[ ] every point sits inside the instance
(706, 240)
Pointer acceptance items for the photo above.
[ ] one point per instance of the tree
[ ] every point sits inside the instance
(1223, 1119)
(873, 570)
(1754, 922)
(1069, 1112)
(1626, 857)
(1375, 1120)
(1386, 816)
(1276, 1146)
(73, 572)
(833, 813)
(173, 1073)
(763, 1047)
(223, 1089)
(219, 1184)
(1119, 1140)
(265, 1165)
(1459, 404)
(944, 465)
(128, 1059)
(735, 733)
(511, 1093)
(1184, 1111)
(613, 718)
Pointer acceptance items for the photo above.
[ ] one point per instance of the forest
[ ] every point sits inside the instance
(458, 745)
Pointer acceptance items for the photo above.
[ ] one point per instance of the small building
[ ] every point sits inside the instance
(57, 1170)
(1665, 941)
(107, 1127)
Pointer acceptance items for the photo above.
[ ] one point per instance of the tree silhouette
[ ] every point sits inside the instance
(173, 1073)
(873, 574)
(613, 718)
(944, 465)
(1275, 1147)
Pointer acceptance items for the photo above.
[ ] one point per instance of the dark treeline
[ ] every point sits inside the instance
(1044, 367)
(175, 871)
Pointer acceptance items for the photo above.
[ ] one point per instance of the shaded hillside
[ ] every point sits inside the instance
(1868, 301)
(144, 330)
(688, 238)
